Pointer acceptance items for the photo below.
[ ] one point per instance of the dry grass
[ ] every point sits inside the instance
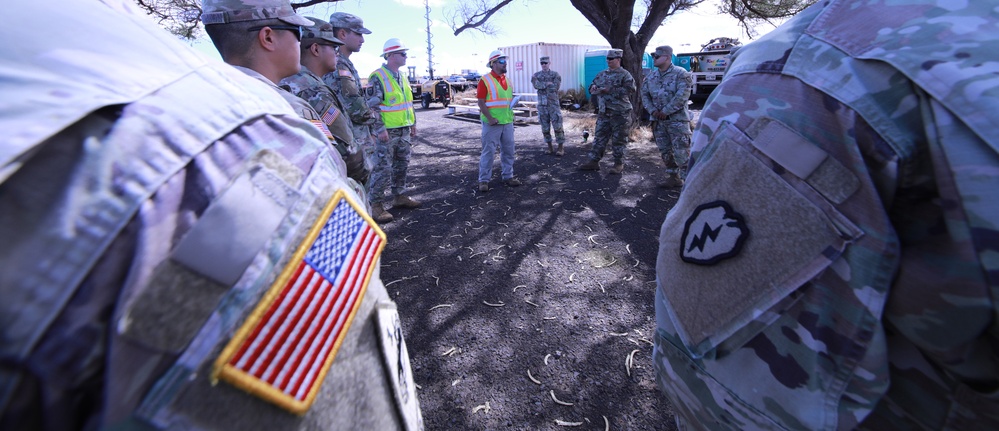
(576, 122)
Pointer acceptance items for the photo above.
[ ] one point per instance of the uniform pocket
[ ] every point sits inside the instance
(748, 233)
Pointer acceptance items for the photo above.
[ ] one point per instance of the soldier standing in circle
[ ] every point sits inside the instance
(494, 95)
(548, 82)
(318, 57)
(831, 262)
(346, 84)
(393, 98)
(664, 95)
(613, 88)
(149, 199)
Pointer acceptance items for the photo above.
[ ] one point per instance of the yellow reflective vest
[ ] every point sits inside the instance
(397, 105)
(498, 100)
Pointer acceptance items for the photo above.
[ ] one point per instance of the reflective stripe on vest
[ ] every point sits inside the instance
(397, 104)
(498, 100)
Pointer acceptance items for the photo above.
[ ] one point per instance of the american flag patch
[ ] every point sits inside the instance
(283, 350)
(330, 115)
(345, 72)
(322, 128)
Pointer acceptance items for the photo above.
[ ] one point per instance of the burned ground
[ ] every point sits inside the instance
(553, 280)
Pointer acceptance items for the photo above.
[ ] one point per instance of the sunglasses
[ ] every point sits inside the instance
(656, 56)
(403, 54)
(297, 29)
(615, 58)
(501, 61)
(544, 62)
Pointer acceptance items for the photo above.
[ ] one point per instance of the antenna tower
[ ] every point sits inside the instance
(430, 46)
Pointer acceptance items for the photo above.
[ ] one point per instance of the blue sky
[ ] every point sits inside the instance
(521, 22)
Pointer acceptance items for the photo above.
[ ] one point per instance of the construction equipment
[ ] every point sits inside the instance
(433, 91)
(709, 65)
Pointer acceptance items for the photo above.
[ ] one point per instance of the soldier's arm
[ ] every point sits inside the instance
(375, 99)
(646, 95)
(679, 100)
(558, 81)
(536, 82)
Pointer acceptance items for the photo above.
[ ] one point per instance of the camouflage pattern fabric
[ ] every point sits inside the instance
(307, 86)
(613, 114)
(830, 262)
(118, 146)
(549, 110)
(621, 85)
(393, 164)
(667, 92)
(346, 84)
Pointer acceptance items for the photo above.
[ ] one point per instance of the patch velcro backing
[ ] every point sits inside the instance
(283, 350)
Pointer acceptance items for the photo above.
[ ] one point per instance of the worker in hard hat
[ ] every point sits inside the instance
(495, 95)
(395, 128)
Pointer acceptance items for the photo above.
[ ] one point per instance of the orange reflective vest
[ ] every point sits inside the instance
(498, 100)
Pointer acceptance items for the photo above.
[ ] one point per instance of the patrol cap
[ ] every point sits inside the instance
(320, 30)
(545, 59)
(615, 53)
(664, 50)
(348, 21)
(229, 11)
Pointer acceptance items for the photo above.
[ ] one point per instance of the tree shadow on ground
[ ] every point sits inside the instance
(555, 278)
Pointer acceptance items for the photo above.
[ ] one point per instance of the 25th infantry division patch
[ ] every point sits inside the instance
(287, 344)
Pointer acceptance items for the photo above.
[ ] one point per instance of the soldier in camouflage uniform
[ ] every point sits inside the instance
(664, 95)
(548, 82)
(318, 57)
(831, 261)
(395, 126)
(150, 198)
(613, 88)
(346, 83)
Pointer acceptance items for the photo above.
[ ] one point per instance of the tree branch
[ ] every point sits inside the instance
(478, 19)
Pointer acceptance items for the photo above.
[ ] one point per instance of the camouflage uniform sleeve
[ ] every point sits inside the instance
(558, 81)
(537, 82)
(683, 82)
(374, 99)
(648, 86)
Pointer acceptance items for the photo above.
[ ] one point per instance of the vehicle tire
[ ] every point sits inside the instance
(446, 102)
(425, 100)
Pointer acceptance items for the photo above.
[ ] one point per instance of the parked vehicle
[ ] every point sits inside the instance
(458, 83)
(709, 65)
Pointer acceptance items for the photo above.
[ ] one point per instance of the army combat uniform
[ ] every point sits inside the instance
(346, 84)
(309, 87)
(613, 113)
(831, 263)
(393, 155)
(667, 92)
(150, 202)
(549, 112)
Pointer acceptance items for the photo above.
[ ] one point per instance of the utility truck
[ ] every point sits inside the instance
(709, 65)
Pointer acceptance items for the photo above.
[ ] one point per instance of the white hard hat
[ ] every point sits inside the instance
(497, 54)
(393, 45)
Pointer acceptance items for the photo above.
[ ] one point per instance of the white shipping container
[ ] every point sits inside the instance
(524, 60)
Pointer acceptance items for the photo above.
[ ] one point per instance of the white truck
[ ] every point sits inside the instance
(709, 65)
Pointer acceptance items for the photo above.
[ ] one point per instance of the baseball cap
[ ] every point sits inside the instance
(348, 21)
(229, 11)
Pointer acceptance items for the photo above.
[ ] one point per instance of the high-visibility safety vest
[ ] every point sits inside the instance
(498, 100)
(397, 105)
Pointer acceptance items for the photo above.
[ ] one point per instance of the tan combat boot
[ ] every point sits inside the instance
(617, 168)
(403, 201)
(591, 165)
(379, 214)
(560, 152)
(551, 150)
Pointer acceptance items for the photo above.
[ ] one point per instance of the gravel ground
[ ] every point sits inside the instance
(551, 281)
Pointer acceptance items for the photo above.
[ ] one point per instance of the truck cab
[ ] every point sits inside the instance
(708, 66)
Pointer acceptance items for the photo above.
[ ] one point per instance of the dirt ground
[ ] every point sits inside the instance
(531, 307)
